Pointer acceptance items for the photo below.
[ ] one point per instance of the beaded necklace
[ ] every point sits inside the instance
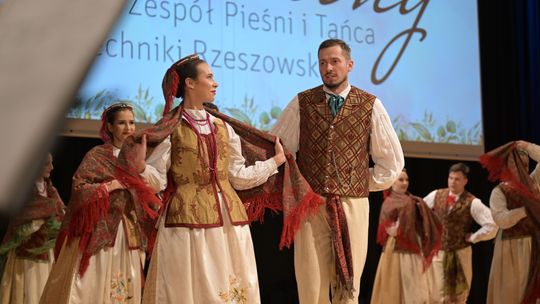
(211, 162)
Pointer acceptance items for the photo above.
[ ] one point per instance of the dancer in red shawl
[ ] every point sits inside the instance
(101, 246)
(27, 248)
(411, 235)
(203, 251)
(515, 205)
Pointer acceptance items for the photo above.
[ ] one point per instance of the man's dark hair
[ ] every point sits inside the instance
(333, 42)
(460, 167)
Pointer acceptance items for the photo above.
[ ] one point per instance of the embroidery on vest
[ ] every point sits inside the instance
(522, 228)
(457, 220)
(196, 201)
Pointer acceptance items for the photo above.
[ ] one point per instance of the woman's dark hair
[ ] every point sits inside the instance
(109, 116)
(186, 69)
(174, 80)
(211, 106)
(110, 112)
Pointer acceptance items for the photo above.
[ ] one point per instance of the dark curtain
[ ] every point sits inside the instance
(510, 66)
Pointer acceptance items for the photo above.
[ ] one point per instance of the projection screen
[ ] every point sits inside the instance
(420, 58)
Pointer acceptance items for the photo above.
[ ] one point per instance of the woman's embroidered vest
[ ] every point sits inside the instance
(524, 227)
(196, 202)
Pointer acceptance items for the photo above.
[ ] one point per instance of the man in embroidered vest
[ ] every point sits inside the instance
(514, 204)
(334, 128)
(451, 272)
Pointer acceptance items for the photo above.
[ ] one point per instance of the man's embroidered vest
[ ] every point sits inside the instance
(196, 202)
(457, 222)
(524, 227)
(333, 154)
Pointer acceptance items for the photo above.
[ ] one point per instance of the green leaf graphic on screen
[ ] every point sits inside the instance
(248, 113)
(429, 130)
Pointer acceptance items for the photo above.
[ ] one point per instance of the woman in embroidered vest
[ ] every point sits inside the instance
(411, 236)
(203, 251)
(27, 248)
(515, 204)
(450, 274)
(102, 242)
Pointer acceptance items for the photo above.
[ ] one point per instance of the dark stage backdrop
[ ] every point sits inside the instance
(510, 69)
(510, 59)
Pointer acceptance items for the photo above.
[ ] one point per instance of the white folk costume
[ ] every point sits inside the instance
(204, 252)
(101, 247)
(450, 274)
(27, 249)
(411, 235)
(333, 154)
(511, 262)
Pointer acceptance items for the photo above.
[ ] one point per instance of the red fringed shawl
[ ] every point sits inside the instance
(505, 164)
(286, 191)
(94, 214)
(35, 246)
(415, 220)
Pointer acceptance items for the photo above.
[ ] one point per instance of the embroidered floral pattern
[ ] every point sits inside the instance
(235, 294)
(120, 289)
(194, 203)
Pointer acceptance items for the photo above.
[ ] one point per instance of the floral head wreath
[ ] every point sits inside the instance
(103, 131)
(171, 81)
